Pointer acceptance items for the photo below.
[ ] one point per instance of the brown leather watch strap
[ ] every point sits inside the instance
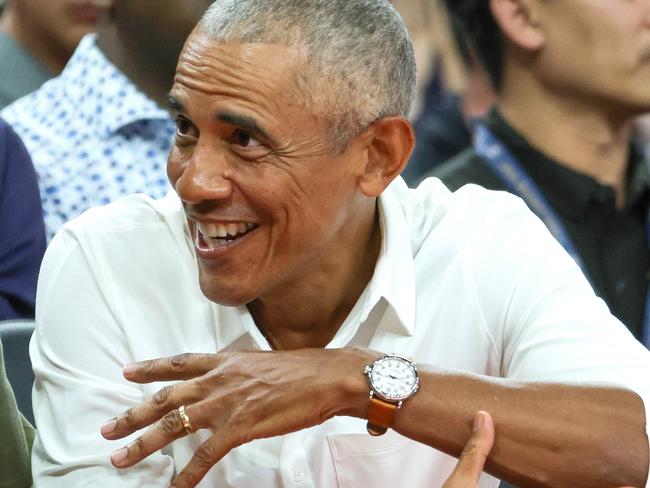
(380, 415)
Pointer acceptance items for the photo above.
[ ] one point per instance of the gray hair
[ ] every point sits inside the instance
(360, 60)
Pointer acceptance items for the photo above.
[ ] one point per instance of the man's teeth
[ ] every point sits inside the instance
(222, 231)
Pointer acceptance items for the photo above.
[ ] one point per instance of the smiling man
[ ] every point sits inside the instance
(291, 273)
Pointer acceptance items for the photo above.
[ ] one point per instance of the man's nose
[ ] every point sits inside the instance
(206, 177)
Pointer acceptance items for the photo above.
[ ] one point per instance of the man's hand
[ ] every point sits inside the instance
(472, 459)
(239, 397)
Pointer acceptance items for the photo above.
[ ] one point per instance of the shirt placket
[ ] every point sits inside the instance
(294, 465)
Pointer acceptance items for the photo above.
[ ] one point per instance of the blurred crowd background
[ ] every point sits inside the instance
(82, 103)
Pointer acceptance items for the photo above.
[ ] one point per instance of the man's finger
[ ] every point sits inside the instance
(168, 399)
(472, 459)
(167, 429)
(206, 456)
(180, 367)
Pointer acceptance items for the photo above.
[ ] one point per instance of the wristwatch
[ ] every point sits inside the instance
(392, 379)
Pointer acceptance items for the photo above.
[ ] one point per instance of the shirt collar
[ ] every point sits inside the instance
(89, 77)
(394, 277)
(570, 192)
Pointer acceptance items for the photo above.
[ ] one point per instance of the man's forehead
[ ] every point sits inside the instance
(200, 48)
(257, 73)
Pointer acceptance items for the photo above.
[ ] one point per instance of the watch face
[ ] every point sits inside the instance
(393, 378)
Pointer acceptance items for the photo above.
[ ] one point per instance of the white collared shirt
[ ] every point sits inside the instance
(469, 281)
(93, 135)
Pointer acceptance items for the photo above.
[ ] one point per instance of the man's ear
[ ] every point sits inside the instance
(389, 148)
(519, 22)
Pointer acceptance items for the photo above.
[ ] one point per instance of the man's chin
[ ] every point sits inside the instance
(225, 296)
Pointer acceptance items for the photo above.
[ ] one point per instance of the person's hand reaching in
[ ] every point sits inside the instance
(472, 459)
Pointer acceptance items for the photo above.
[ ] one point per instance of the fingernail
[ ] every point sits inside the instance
(129, 369)
(119, 456)
(478, 422)
(109, 426)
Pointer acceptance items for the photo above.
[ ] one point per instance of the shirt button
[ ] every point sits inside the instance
(298, 475)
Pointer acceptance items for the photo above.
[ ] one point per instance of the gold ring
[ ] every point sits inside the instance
(185, 419)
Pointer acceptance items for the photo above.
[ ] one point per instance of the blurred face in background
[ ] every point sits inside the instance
(598, 49)
(159, 27)
(57, 24)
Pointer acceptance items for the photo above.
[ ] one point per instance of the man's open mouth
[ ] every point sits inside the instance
(212, 236)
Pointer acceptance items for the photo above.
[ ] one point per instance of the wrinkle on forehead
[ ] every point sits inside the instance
(241, 70)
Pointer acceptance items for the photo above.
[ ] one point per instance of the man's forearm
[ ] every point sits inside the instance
(547, 434)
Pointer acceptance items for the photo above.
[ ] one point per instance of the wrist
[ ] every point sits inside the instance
(352, 385)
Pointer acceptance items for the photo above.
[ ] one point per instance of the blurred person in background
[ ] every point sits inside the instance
(22, 244)
(572, 78)
(439, 63)
(453, 88)
(37, 37)
(16, 438)
(99, 130)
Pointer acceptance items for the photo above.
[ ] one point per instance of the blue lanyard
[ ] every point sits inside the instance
(505, 166)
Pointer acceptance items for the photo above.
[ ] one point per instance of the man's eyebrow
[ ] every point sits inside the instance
(174, 104)
(244, 122)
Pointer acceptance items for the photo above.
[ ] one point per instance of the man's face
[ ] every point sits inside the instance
(253, 168)
(598, 48)
(61, 22)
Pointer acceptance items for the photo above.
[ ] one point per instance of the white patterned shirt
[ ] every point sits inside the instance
(93, 136)
(469, 281)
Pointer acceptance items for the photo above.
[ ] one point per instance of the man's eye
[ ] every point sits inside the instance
(244, 139)
(184, 128)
